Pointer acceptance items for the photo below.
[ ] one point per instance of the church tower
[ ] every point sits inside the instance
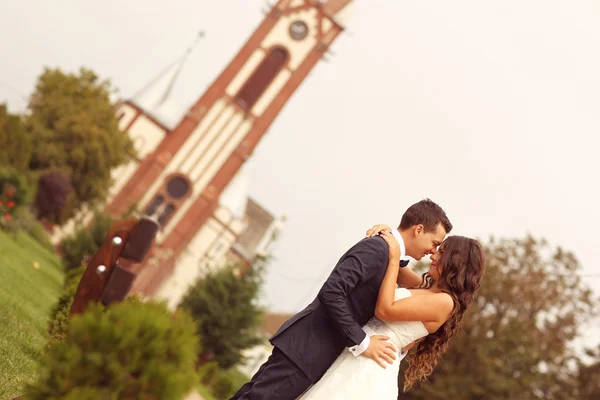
(181, 176)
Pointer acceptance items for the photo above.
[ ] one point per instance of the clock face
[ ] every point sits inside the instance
(298, 30)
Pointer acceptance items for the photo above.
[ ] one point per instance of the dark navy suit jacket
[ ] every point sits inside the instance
(315, 337)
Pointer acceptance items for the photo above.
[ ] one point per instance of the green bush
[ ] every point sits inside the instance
(15, 193)
(74, 276)
(58, 325)
(208, 372)
(223, 387)
(130, 350)
(224, 303)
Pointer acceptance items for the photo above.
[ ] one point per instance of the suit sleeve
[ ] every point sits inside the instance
(358, 265)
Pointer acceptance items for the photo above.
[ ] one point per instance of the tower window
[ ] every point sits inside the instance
(153, 207)
(261, 78)
(177, 187)
(166, 214)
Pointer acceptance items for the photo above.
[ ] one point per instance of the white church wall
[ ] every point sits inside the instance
(146, 136)
(206, 250)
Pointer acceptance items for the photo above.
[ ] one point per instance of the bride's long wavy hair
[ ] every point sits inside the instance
(463, 262)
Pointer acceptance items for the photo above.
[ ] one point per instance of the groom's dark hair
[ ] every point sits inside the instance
(427, 213)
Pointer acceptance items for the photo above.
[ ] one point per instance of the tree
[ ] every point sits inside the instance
(588, 377)
(517, 335)
(224, 304)
(15, 143)
(74, 129)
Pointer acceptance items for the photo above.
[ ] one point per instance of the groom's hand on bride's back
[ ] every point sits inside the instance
(380, 350)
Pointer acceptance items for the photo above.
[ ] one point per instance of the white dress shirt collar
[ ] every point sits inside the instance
(401, 241)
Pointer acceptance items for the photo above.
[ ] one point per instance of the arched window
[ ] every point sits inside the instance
(153, 207)
(174, 191)
(261, 78)
(166, 214)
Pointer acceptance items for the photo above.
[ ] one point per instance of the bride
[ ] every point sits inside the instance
(425, 318)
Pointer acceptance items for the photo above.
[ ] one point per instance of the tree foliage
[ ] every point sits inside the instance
(517, 337)
(588, 377)
(74, 129)
(224, 303)
(15, 143)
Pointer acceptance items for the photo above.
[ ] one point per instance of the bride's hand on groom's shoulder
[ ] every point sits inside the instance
(374, 231)
(394, 247)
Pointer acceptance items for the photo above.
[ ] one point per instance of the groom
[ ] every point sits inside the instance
(309, 342)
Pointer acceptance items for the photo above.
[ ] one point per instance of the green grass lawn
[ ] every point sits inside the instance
(27, 295)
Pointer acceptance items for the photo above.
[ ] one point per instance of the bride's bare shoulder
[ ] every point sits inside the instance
(443, 300)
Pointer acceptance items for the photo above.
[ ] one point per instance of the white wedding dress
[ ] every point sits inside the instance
(361, 378)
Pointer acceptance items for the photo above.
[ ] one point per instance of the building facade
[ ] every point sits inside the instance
(189, 173)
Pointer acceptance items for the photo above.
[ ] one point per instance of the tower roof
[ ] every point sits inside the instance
(235, 195)
(154, 98)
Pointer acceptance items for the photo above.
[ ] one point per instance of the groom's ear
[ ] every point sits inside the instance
(419, 229)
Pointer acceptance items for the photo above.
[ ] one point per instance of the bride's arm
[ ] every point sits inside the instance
(388, 285)
(406, 277)
(434, 307)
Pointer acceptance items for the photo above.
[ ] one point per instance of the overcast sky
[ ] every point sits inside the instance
(490, 108)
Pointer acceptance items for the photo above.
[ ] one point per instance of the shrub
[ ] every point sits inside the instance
(54, 190)
(74, 276)
(130, 350)
(223, 387)
(208, 372)
(224, 303)
(15, 193)
(58, 325)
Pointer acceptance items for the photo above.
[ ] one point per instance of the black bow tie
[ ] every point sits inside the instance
(403, 263)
